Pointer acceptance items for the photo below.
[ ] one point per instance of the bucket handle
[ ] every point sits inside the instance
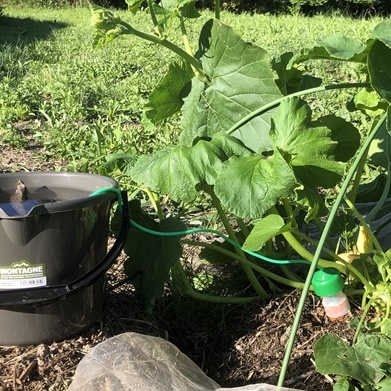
(20, 298)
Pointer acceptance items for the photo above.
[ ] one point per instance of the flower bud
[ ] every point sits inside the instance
(364, 241)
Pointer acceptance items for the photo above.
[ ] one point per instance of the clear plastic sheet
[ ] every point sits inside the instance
(136, 362)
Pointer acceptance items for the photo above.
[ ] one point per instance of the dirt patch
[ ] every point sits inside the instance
(234, 345)
(13, 160)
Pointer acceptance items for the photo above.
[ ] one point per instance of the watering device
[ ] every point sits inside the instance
(53, 253)
(328, 284)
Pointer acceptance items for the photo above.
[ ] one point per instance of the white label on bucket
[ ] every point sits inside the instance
(22, 274)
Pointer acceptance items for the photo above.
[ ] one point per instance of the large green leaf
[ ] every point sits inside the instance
(314, 172)
(344, 133)
(194, 114)
(162, 172)
(249, 186)
(362, 361)
(151, 257)
(385, 384)
(265, 229)
(167, 99)
(335, 47)
(372, 191)
(339, 47)
(380, 149)
(366, 98)
(312, 202)
(231, 146)
(178, 170)
(290, 78)
(382, 32)
(240, 80)
(379, 67)
(308, 148)
(206, 160)
(292, 130)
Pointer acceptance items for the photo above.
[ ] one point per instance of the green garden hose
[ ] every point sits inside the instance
(197, 230)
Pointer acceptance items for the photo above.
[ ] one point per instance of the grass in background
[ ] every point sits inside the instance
(86, 104)
(80, 102)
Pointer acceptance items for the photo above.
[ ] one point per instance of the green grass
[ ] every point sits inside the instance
(84, 103)
(65, 87)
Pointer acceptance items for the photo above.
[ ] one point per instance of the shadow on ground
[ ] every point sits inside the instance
(22, 31)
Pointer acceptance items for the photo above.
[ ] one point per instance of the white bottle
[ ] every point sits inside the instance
(336, 306)
(328, 284)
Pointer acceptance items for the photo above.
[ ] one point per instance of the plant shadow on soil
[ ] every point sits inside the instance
(23, 31)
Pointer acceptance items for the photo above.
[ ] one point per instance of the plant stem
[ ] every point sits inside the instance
(249, 272)
(189, 291)
(303, 252)
(185, 37)
(354, 292)
(221, 299)
(329, 240)
(371, 215)
(277, 102)
(362, 319)
(153, 14)
(217, 9)
(167, 44)
(98, 143)
(290, 274)
(189, 50)
(287, 207)
(365, 224)
(243, 227)
(245, 262)
(386, 316)
(357, 178)
(155, 203)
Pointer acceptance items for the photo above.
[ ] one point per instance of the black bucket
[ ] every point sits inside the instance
(53, 254)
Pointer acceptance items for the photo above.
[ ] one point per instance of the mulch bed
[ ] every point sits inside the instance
(234, 345)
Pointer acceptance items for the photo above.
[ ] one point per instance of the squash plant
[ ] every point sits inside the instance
(251, 144)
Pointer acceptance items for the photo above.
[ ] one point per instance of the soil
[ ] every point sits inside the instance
(234, 344)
